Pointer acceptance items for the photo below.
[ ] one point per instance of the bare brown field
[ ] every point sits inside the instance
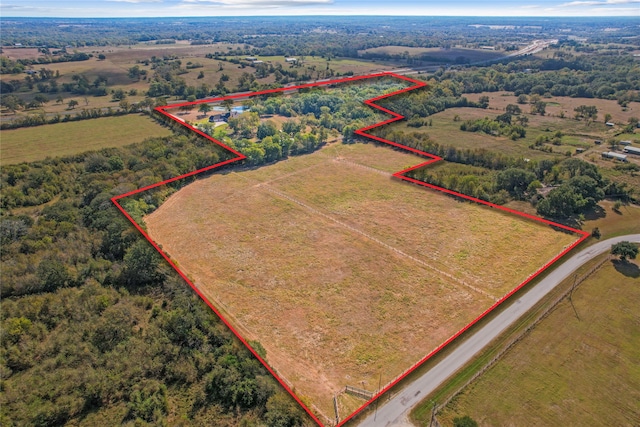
(21, 52)
(343, 273)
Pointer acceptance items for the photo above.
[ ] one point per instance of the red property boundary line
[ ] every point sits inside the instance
(401, 175)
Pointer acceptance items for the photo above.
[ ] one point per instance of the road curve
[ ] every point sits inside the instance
(395, 411)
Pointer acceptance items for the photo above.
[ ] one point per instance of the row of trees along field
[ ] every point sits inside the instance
(96, 329)
(584, 76)
(576, 186)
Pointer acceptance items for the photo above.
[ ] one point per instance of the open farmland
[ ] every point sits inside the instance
(344, 274)
(564, 104)
(568, 371)
(64, 139)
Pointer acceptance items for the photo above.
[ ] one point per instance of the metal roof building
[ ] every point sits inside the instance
(615, 156)
(632, 150)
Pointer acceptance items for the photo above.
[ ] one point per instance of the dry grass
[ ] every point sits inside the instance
(556, 104)
(341, 272)
(569, 371)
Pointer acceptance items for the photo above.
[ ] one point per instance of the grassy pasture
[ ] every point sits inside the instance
(557, 104)
(577, 134)
(446, 131)
(341, 272)
(63, 139)
(568, 371)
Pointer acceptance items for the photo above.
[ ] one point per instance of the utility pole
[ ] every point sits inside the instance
(378, 399)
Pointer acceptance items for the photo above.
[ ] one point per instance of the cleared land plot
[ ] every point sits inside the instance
(340, 271)
(569, 371)
(64, 139)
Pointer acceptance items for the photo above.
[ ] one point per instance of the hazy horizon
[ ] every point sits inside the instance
(255, 8)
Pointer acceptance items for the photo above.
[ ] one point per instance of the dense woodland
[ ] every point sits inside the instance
(97, 330)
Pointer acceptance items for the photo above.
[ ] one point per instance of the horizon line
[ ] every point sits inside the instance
(626, 16)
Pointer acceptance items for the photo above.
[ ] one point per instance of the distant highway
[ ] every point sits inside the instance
(395, 411)
(535, 47)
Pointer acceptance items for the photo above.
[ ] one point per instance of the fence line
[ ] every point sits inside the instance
(522, 334)
(359, 392)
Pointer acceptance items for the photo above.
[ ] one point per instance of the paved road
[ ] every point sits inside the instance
(395, 411)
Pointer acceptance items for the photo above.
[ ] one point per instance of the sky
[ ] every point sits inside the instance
(169, 8)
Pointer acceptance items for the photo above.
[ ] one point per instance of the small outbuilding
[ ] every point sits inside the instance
(610, 124)
(614, 156)
(632, 150)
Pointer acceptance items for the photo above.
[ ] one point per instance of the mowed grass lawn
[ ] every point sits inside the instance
(569, 371)
(345, 275)
(64, 139)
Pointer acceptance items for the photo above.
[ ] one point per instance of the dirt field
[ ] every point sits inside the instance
(63, 139)
(343, 273)
(569, 371)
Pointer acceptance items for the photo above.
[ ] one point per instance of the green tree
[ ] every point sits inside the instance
(227, 104)
(266, 129)
(72, 104)
(41, 99)
(283, 412)
(204, 108)
(118, 95)
(52, 274)
(589, 112)
(513, 109)
(539, 107)
(465, 421)
(141, 265)
(625, 250)
(516, 181)
(561, 202)
(588, 188)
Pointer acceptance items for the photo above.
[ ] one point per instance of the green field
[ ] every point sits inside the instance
(64, 139)
(568, 371)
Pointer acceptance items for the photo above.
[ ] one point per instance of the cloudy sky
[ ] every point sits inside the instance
(155, 8)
